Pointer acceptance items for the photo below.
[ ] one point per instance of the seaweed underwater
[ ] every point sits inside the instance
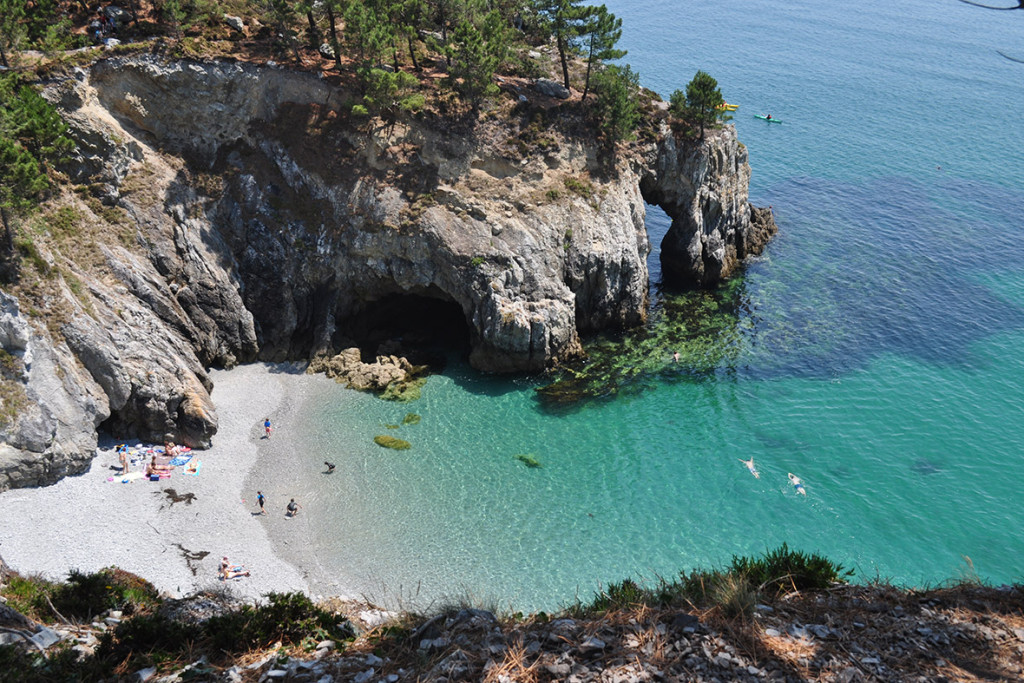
(706, 328)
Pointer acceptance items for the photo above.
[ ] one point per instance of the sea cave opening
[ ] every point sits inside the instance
(658, 222)
(427, 330)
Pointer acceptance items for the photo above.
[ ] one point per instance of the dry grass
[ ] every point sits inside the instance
(516, 665)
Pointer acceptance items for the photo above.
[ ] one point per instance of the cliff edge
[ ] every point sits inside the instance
(223, 213)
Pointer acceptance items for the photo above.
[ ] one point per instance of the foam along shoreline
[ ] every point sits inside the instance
(156, 529)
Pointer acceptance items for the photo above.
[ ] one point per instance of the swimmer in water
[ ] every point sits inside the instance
(750, 466)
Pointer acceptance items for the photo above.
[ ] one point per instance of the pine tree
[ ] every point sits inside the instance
(565, 20)
(476, 52)
(701, 102)
(12, 28)
(601, 30)
(616, 106)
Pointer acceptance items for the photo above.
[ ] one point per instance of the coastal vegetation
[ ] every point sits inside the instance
(786, 612)
(145, 634)
(734, 590)
(702, 102)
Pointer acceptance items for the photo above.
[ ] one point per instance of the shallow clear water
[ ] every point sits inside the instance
(874, 350)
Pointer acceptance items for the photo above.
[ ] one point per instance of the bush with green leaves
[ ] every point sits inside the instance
(59, 664)
(616, 108)
(387, 92)
(28, 596)
(287, 617)
(84, 596)
(784, 569)
(734, 590)
(145, 640)
(700, 104)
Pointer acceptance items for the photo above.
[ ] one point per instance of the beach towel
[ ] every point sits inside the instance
(179, 460)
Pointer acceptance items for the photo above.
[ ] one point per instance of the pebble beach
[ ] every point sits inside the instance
(174, 532)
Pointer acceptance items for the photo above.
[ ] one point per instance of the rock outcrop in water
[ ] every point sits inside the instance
(235, 213)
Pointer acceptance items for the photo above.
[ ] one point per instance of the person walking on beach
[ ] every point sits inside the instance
(266, 427)
(330, 467)
(292, 508)
(261, 500)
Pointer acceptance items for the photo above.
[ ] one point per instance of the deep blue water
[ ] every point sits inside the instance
(874, 350)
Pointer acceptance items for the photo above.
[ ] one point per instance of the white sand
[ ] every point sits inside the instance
(90, 522)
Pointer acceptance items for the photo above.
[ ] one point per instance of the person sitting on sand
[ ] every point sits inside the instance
(292, 508)
(230, 571)
(171, 450)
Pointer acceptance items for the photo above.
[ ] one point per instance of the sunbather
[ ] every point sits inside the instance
(154, 468)
(230, 571)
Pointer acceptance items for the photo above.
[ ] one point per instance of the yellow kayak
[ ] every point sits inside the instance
(728, 107)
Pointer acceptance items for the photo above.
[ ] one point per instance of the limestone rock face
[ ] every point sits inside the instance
(256, 219)
(703, 188)
(58, 406)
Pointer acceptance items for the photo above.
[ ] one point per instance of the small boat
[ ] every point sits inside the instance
(765, 118)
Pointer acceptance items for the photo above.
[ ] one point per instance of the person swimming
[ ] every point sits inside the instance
(797, 484)
(751, 467)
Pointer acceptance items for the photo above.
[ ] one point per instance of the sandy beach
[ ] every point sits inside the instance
(173, 532)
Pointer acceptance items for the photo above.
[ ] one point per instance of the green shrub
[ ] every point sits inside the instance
(734, 591)
(30, 252)
(580, 187)
(287, 617)
(84, 596)
(734, 594)
(392, 442)
(784, 569)
(59, 664)
(28, 596)
(145, 640)
(620, 595)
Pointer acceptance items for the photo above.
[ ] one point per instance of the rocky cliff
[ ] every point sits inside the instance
(225, 213)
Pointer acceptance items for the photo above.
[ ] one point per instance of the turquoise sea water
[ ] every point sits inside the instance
(875, 350)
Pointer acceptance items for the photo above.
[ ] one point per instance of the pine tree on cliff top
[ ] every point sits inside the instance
(602, 30)
(701, 102)
(565, 20)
